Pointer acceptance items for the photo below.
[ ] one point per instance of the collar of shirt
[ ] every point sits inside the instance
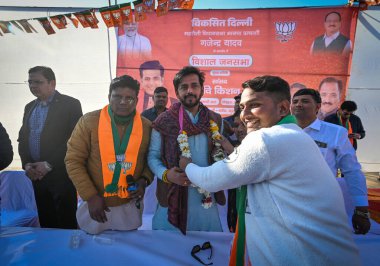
(330, 39)
(193, 118)
(316, 125)
(46, 103)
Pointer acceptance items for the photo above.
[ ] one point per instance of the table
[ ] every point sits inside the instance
(39, 246)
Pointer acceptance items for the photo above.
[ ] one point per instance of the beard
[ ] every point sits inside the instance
(192, 103)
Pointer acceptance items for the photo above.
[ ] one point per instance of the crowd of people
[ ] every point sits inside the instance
(284, 203)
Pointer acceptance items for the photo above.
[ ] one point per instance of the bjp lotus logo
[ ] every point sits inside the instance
(148, 3)
(107, 17)
(285, 30)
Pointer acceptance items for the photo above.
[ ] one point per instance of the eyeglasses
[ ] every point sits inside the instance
(119, 98)
(37, 82)
(197, 248)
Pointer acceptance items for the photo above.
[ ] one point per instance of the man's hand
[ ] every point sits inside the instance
(183, 162)
(32, 172)
(41, 168)
(177, 176)
(140, 191)
(361, 223)
(97, 208)
(226, 145)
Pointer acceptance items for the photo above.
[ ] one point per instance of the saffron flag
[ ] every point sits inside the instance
(139, 11)
(59, 21)
(73, 20)
(174, 4)
(107, 17)
(82, 20)
(117, 18)
(91, 19)
(126, 13)
(187, 4)
(162, 8)
(46, 25)
(148, 5)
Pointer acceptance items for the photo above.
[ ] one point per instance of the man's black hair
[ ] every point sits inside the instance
(307, 91)
(125, 81)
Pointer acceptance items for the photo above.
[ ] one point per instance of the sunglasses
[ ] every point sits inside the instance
(197, 248)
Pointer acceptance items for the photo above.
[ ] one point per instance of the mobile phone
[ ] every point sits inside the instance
(132, 185)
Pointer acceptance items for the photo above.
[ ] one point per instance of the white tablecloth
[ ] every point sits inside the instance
(37, 246)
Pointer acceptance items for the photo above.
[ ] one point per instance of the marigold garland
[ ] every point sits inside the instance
(218, 155)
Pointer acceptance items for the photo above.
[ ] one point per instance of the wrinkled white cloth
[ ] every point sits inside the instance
(133, 218)
(295, 211)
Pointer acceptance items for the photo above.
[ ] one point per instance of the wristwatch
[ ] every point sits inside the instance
(48, 166)
(362, 214)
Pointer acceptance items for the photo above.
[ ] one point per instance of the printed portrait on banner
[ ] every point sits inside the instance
(232, 46)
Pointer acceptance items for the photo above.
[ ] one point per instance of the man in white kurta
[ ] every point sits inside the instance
(295, 211)
(132, 45)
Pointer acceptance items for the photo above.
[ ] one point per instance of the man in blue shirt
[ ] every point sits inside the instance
(335, 147)
(181, 206)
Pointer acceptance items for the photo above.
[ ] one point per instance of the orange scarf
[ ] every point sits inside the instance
(347, 125)
(107, 152)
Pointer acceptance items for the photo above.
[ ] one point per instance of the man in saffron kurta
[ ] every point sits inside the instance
(106, 160)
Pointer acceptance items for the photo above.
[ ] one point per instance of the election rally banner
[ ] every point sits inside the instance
(232, 46)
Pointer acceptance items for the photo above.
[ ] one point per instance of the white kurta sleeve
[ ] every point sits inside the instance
(249, 163)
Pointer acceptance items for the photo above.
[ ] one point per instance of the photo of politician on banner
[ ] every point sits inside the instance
(303, 46)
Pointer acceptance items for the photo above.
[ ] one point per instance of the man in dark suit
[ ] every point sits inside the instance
(332, 41)
(47, 125)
